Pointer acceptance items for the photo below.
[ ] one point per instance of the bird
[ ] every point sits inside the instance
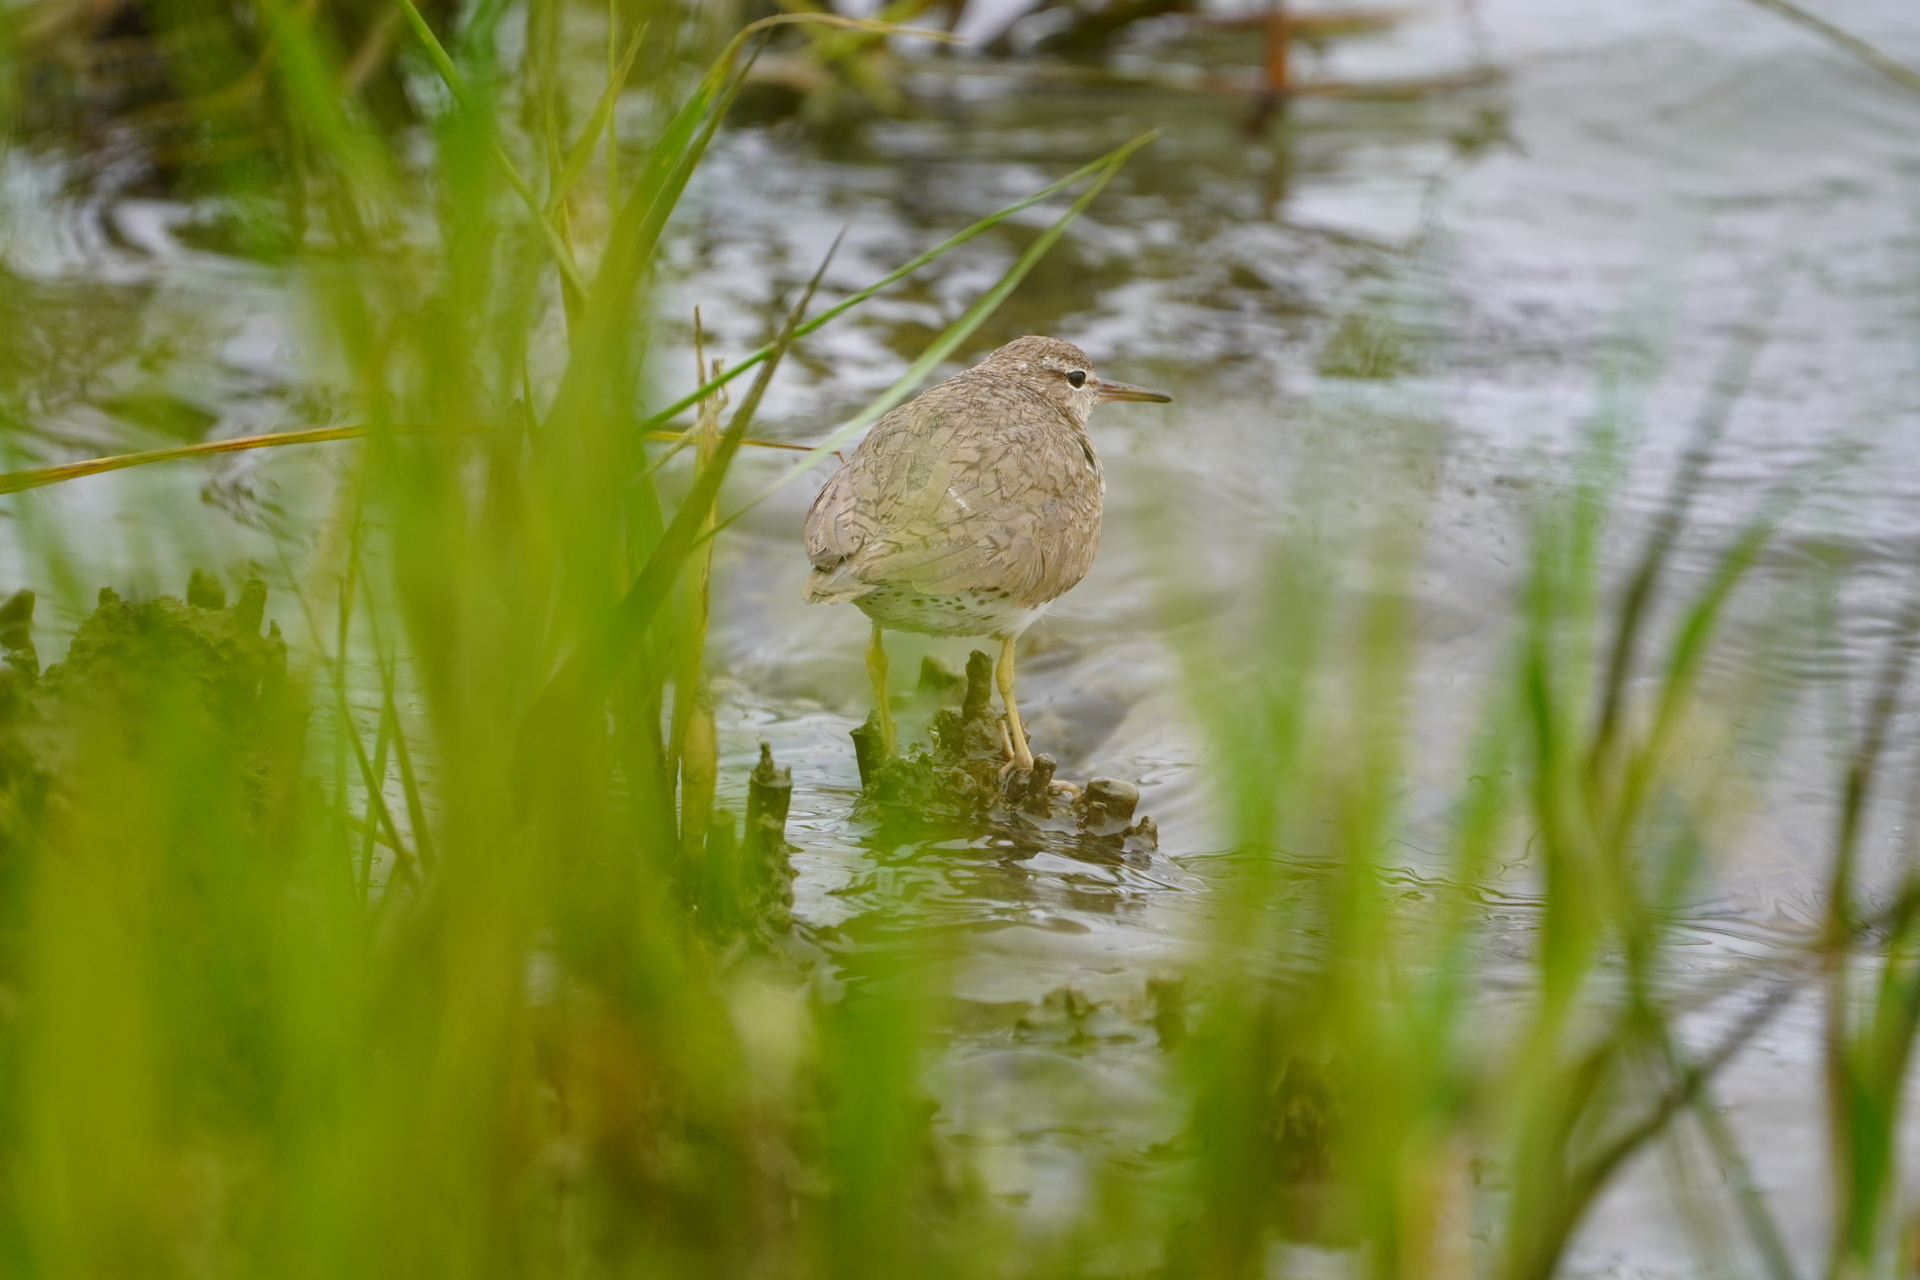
(969, 509)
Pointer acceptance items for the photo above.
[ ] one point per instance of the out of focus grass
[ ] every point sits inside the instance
(482, 985)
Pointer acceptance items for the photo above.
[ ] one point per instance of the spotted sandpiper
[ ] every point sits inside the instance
(969, 509)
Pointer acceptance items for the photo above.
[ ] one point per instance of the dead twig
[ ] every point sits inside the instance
(1892, 68)
(37, 477)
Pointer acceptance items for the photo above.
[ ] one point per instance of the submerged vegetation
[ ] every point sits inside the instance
(423, 941)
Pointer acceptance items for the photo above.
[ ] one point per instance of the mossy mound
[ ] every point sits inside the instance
(169, 721)
(195, 676)
(964, 779)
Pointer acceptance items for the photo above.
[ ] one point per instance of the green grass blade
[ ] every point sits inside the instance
(581, 153)
(556, 247)
(899, 273)
(39, 477)
(589, 670)
(1750, 1198)
(381, 744)
(1898, 72)
(1690, 644)
(1728, 387)
(405, 860)
(683, 144)
(956, 333)
(403, 756)
(34, 478)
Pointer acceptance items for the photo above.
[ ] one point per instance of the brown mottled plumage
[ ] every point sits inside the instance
(968, 509)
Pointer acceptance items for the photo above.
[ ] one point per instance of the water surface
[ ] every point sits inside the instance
(1364, 278)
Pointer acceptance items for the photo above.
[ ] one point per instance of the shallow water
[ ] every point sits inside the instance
(1652, 167)
(1655, 169)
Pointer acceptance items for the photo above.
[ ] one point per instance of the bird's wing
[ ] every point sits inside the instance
(832, 535)
(965, 493)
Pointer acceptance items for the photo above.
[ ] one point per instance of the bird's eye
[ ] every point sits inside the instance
(1078, 378)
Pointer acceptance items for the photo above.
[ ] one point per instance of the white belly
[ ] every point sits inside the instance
(966, 613)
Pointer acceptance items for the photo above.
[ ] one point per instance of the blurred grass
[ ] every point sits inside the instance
(482, 985)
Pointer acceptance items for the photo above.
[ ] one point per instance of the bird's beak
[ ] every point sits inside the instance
(1110, 390)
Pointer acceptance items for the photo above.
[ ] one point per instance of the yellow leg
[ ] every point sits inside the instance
(1022, 758)
(877, 672)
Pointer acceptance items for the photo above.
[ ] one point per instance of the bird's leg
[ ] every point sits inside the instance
(877, 671)
(1022, 758)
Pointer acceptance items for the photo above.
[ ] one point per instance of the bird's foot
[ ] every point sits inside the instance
(1017, 758)
(1030, 789)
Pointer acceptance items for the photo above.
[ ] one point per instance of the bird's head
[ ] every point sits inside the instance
(1062, 373)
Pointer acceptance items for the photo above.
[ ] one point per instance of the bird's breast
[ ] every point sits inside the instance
(973, 612)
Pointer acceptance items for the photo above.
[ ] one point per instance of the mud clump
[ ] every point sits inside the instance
(170, 723)
(196, 679)
(965, 779)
